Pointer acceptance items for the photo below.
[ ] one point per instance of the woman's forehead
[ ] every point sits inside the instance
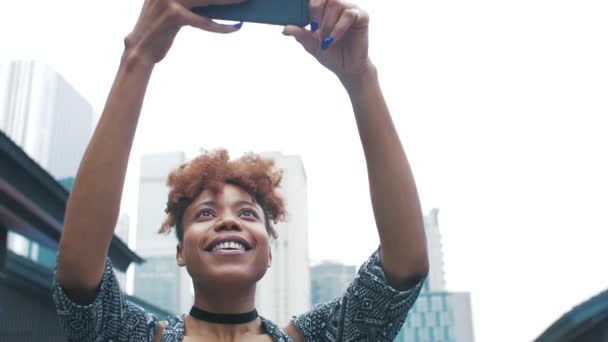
(226, 192)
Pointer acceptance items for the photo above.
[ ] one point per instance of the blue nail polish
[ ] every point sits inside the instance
(327, 42)
(238, 25)
(314, 26)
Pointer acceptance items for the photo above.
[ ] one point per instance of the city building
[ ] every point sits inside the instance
(45, 125)
(329, 280)
(49, 120)
(122, 232)
(438, 315)
(43, 114)
(172, 287)
(436, 277)
(285, 289)
(32, 205)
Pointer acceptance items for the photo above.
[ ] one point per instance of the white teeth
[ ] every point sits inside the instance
(229, 245)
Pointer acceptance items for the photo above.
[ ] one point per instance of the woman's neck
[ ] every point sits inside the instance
(223, 301)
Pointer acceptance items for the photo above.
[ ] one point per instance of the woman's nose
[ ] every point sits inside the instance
(228, 222)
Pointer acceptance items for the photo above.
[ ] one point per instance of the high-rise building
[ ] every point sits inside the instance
(171, 288)
(122, 231)
(43, 114)
(436, 277)
(329, 280)
(438, 315)
(285, 289)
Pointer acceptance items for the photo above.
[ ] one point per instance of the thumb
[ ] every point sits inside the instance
(293, 31)
(303, 36)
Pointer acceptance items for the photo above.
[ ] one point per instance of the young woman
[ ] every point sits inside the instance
(223, 209)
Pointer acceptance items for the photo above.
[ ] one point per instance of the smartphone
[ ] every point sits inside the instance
(274, 12)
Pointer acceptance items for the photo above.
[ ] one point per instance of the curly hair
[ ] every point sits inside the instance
(253, 173)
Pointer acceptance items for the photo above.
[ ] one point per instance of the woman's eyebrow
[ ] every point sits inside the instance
(209, 203)
(241, 203)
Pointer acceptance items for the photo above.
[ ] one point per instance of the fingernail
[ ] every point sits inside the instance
(238, 25)
(327, 42)
(314, 26)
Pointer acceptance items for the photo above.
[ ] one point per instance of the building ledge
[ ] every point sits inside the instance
(32, 203)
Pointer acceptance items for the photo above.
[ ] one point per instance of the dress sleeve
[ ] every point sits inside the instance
(110, 317)
(370, 310)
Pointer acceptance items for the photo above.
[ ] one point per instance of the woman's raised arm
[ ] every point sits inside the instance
(338, 39)
(93, 206)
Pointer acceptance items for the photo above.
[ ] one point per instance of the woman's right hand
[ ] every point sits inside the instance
(159, 22)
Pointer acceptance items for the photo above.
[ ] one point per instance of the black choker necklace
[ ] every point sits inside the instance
(223, 318)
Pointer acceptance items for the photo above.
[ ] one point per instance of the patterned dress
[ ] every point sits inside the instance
(370, 310)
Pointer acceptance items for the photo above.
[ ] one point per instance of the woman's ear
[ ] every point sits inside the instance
(181, 261)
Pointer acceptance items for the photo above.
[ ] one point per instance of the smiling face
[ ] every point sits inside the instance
(225, 239)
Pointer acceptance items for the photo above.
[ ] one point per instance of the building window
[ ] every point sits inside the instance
(430, 318)
(424, 334)
(437, 303)
(29, 249)
(444, 319)
(414, 320)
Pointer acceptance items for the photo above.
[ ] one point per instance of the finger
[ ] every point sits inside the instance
(348, 18)
(316, 9)
(362, 18)
(192, 19)
(304, 37)
(333, 11)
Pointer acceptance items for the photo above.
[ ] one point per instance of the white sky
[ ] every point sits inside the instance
(501, 106)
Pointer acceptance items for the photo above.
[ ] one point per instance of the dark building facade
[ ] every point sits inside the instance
(32, 204)
(27, 311)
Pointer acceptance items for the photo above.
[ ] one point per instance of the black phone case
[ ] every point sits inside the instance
(275, 12)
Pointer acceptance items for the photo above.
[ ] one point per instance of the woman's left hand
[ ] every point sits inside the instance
(338, 37)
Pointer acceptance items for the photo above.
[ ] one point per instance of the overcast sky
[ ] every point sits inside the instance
(501, 106)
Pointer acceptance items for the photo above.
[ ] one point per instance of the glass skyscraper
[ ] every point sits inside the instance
(438, 315)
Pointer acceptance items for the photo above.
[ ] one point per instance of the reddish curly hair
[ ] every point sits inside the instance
(253, 173)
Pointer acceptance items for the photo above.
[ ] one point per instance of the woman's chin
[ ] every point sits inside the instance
(233, 275)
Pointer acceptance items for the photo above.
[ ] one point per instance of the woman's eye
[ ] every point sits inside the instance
(205, 213)
(248, 213)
